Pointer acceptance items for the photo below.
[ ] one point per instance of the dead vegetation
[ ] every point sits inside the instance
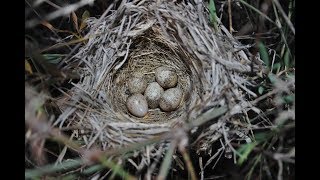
(239, 103)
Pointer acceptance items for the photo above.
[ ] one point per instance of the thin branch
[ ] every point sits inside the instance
(285, 16)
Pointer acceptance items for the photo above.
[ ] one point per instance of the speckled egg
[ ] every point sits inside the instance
(153, 94)
(137, 105)
(166, 77)
(137, 83)
(170, 99)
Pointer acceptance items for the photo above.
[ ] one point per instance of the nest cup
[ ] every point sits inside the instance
(147, 53)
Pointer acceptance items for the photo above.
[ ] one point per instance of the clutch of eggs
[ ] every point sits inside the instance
(155, 94)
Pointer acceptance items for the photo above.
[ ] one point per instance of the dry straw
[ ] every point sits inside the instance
(140, 36)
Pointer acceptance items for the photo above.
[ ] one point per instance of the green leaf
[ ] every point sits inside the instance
(69, 177)
(166, 163)
(288, 98)
(53, 58)
(264, 54)
(245, 150)
(50, 168)
(261, 137)
(261, 89)
(272, 78)
(276, 66)
(213, 16)
(93, 169)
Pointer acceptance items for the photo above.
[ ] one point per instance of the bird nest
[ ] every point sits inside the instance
(140, 36)
(147, 53)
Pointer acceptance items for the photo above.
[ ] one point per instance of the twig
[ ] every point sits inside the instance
(230, 16)
(270, 93)
(228, 142)
(213, 157)
(285, 16)
(259, 12)
(279, 177)
(64, 150)
(201, 168)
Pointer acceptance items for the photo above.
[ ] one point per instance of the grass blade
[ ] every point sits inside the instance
(53, 58)
(166, 163)
(92, 169)
(116, 169)
(209, 115)
(186, 158)
(286, 59)
(51, 168)
(285, 17)
(213, 14)
(245, 150)
(264, 54)
(257, 159)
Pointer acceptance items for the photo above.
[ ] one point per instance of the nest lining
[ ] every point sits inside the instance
(148, 53)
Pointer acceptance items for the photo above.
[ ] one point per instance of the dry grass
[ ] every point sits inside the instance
(222, 112)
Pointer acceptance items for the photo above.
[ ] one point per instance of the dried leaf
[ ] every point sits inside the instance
(75, 21)
(85, 16)
(27, 67)
(52, 28)
(48, 25)
(37, 150)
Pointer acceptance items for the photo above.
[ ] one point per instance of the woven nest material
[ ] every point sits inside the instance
(140, 36)
(149, 52)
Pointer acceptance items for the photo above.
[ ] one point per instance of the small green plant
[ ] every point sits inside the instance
(213, 15)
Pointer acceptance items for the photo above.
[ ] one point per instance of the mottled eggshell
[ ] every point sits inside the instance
(137, 83)
(170, 99)
(166, 77)
(153, 94)
(137, 105)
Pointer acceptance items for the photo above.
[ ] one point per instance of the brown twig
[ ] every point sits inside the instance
(230, 16)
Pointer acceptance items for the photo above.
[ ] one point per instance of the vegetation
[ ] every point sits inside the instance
(265, 28)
